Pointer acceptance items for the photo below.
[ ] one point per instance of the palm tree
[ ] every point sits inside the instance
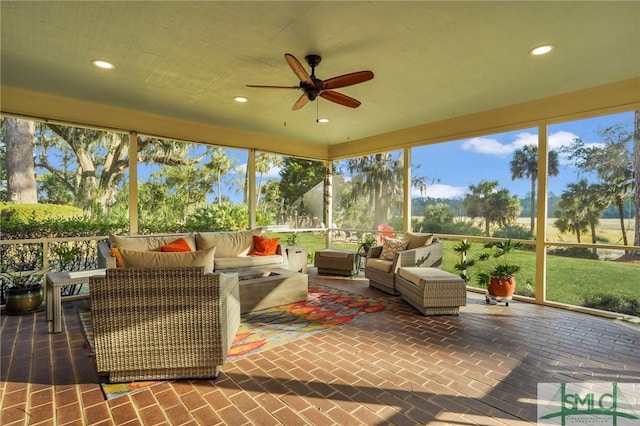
(580, 208)
(525, 165)
(378, 178)
(220, 164)
(492, 204)
(264, 163)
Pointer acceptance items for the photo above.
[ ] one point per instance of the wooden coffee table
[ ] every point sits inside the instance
(271, 287)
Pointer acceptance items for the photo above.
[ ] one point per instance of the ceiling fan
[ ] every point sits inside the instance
(314, 87)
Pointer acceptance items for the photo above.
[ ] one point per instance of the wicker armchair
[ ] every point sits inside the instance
(382, 273)
(163, 323)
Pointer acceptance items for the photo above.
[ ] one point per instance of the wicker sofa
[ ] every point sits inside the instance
(230, 250)
(163, 323)
(422, 251)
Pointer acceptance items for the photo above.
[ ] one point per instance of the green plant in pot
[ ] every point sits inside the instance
(500, 281)
(292, 239)
(366, 242)
(465, 265)
(23, 292)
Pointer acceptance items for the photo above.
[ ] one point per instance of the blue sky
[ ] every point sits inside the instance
(454, 166)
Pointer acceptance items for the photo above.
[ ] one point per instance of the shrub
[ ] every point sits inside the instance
(577, 252)
(516, 232)
(608, 302)
(25, 213)
(458, 227)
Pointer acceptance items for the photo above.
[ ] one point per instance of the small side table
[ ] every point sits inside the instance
(55, 281)
(297, 259)
(336, 262)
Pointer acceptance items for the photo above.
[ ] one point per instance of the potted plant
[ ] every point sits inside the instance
(292, 239)
(500, 279)
(366, 242)
(23, 293)
(364, 245)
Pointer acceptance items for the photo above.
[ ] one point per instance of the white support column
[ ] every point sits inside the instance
(328, 199)
(541, 216)
(406, 187)
(133, 183)
(251, 187)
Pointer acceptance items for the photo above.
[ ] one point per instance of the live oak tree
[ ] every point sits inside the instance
(612, 162)
(88, 167)
(18, 136)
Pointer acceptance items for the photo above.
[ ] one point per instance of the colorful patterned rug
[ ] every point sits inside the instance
(324, 308)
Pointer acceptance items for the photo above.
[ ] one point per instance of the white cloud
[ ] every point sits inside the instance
(560, 139)
(486, 146)
(439, 190)
(490, 146)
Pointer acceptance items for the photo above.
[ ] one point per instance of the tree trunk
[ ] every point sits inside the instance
(21, 177)
(620, 206)
(380, 206)
(533, 202)
(592, 225)
(636, 168)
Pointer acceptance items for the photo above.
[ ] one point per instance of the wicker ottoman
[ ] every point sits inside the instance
(336, 262)
(432, 291)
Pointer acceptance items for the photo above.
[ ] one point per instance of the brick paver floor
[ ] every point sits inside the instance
(395, 367)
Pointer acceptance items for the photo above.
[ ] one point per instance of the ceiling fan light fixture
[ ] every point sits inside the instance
(105, 65)
(241, 99)
(541, 50)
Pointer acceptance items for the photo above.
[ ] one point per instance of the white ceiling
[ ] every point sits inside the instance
(432, 60)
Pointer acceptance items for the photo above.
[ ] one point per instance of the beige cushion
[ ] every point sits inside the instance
(415, 274)
(336, 254)
(159, 259)
(222, 263)
(229, 244)
(150, 243)
(390, 247)
(380, 264)
(418, 240)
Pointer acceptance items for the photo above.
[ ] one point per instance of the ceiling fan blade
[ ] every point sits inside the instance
(273, 87)
(302, 101)
(298, 69)
(347, 80)
(339, 98)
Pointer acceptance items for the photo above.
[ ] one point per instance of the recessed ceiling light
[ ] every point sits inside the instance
(323, 120)
(103, 64)
(541, 50)
(240, 99)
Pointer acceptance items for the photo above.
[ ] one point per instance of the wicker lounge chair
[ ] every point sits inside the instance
(163, 323)
(382, 273)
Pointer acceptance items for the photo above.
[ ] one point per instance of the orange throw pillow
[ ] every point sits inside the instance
(116, 253)
(264, 246)
(178, 245)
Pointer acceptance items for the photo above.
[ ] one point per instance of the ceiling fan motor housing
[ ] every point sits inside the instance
(312, 92)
